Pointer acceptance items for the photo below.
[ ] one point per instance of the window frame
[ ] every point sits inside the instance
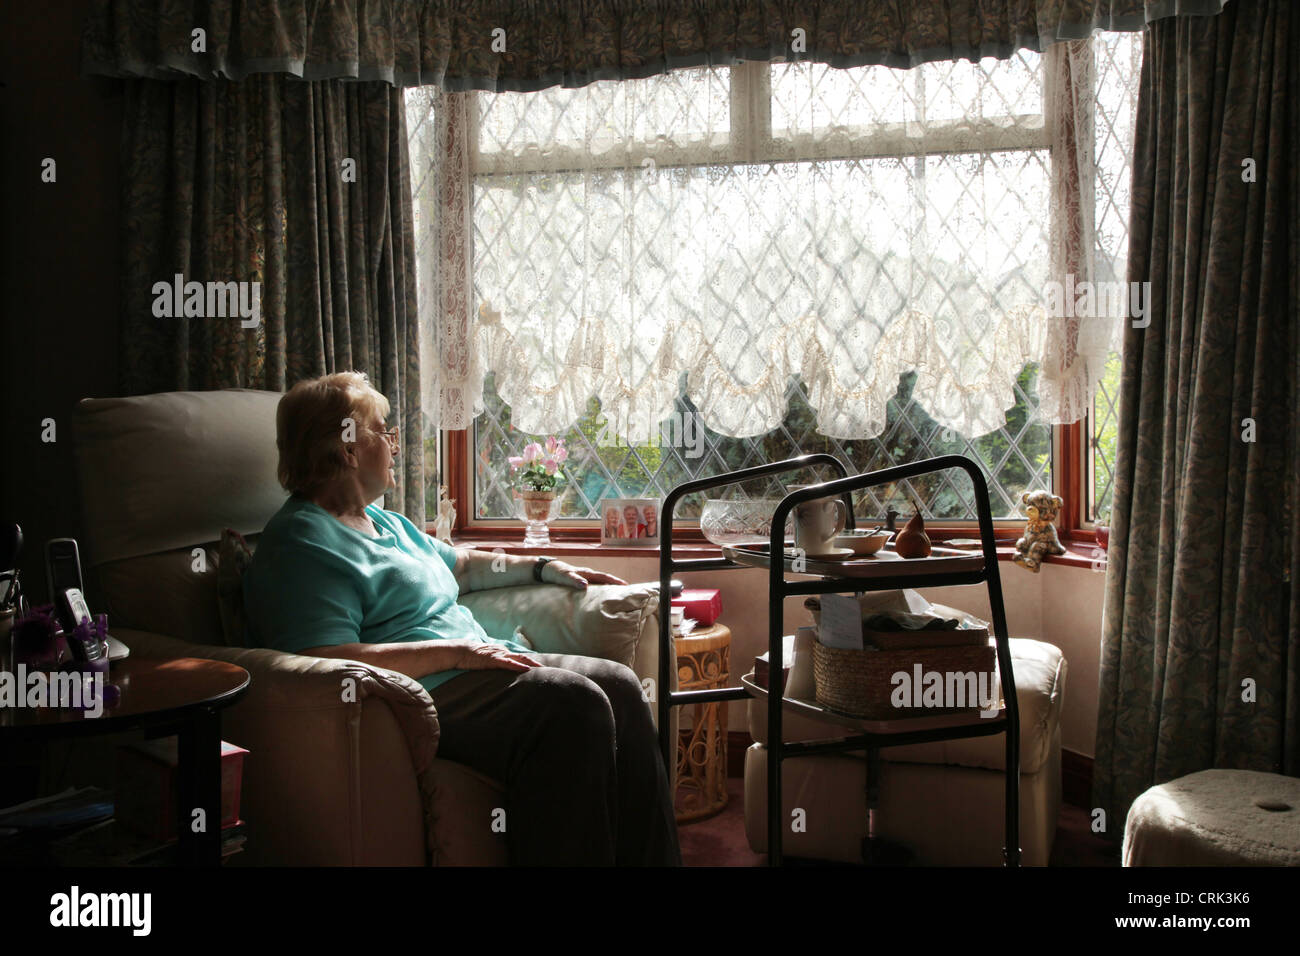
(750, 140)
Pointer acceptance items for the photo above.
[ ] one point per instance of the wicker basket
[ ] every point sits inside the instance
(860, 683)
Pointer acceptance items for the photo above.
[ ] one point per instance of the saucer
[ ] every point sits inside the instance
(835, 554)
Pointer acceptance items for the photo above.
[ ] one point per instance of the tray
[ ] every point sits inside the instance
(880, 564)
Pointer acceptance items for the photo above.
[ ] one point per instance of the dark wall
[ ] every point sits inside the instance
(59, 284)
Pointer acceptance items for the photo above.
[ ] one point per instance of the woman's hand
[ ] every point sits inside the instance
(558, 572)
(480, 657)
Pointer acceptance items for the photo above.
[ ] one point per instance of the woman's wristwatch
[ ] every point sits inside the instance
(537, 568)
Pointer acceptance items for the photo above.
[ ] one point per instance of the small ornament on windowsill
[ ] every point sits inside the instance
(446, 519)
(1039, 539)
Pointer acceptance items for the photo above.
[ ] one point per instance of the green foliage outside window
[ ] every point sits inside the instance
(1015, 458)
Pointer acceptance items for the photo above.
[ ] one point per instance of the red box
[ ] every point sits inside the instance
(145, 795)
(703, 605)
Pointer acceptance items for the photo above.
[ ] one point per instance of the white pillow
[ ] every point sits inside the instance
(604, 620)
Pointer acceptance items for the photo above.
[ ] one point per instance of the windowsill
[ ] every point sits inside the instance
(1081, 552)
(1081, 548)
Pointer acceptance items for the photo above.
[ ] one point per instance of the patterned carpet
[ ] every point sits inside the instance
(720, 840)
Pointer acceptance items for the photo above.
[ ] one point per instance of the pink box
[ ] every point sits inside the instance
(703, 605)
(145, 795)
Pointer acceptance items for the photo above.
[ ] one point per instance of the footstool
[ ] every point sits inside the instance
(943, 802)
(1216, 818)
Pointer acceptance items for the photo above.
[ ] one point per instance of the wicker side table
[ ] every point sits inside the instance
(703, 662)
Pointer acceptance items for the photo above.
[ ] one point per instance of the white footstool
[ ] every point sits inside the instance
(1216, 818)
(944, 801)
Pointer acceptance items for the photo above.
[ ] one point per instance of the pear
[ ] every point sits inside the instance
(912, 541)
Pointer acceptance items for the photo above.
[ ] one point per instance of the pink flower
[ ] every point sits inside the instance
(550, 446)
(515, 461)
(550, 465)
(532, 451)
(561, 454)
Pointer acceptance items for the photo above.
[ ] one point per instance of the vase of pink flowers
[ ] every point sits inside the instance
(537, 479)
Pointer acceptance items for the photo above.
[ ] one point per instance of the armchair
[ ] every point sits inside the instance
(327, 781)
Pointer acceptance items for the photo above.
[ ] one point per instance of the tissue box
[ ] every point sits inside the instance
(146, 792)
(703, 605)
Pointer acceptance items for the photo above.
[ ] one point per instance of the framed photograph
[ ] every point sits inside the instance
(629, 521)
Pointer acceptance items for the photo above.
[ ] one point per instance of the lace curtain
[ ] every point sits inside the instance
(721, 229)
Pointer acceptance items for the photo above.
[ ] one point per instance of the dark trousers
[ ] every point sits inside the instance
(575, 746)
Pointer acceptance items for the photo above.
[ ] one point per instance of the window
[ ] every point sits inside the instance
(1119, 64)
(928, 189)
(1104, 428)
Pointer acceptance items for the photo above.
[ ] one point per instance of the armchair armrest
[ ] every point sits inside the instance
(340, 754)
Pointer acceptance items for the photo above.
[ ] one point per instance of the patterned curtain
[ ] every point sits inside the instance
(288, 204)
(1200, 661)
(502, 45)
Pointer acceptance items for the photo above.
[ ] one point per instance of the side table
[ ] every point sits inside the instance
(703, 662)
(183, 696)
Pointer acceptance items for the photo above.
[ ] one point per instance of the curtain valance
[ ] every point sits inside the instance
(506, 45)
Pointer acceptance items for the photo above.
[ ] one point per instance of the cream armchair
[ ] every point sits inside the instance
(326, 781)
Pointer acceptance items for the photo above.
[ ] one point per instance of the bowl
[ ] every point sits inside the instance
(740, 523)
(863, 542)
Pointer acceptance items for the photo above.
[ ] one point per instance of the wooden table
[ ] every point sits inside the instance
(703, 661)
(183, 696)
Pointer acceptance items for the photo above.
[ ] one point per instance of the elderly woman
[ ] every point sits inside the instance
(570, 737)
(635, 529)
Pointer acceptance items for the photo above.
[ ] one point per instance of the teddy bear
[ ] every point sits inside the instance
(1040, 533)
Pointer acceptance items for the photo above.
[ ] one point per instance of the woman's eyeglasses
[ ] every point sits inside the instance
(392, 436)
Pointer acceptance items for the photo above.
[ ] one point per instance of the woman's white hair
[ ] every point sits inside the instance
(310, 424)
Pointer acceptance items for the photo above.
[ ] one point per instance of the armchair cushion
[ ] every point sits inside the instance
(235, 554)
(603, 620)
(159, 472)
(194, 594)
(162, 594)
